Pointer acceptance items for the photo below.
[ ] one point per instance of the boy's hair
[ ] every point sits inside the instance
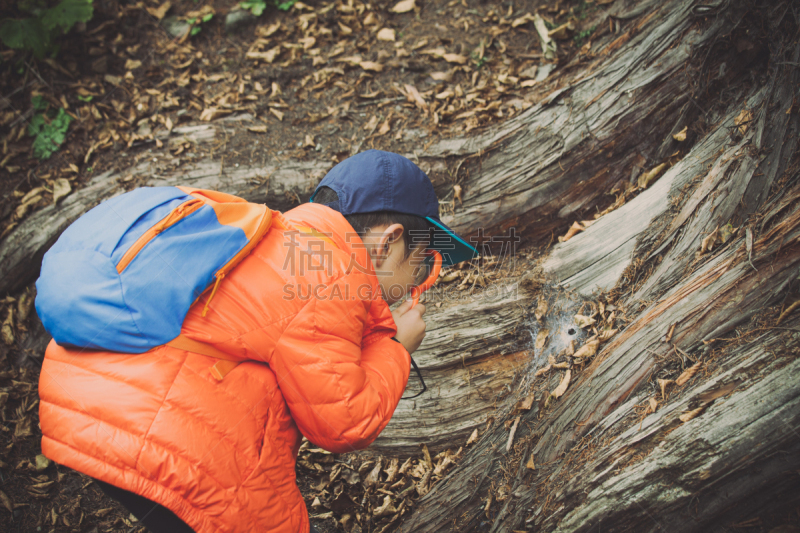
(416, 230)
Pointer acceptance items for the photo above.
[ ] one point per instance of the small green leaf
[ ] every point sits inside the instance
(67, 13)
(208, 17)
(194, 31)
(39, 103)
(26, 34)
(49, 137)
(285, 6)
(191, 21)
(85, 98)
(256, 7)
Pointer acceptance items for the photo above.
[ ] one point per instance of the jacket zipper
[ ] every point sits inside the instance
(176, 215)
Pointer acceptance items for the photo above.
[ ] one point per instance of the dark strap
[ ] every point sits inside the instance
(156, 517)
(419, 375)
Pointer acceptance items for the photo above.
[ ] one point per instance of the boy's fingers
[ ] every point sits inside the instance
(420, 308)
(404, 307)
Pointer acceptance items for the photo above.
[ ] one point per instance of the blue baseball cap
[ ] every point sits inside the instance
(383, 181)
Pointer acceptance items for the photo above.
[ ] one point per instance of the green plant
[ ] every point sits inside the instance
(285, 6)
(195, 23)
(38, 32)
(49, 127)
(256, 7)
(580, 36)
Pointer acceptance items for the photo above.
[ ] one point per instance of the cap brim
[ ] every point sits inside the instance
(453, 248)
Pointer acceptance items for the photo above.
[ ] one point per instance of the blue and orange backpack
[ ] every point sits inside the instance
(124, 275)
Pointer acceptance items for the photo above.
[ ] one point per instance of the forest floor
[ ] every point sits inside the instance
(320, 81)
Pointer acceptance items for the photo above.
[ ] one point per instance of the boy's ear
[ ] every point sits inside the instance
(392, 234)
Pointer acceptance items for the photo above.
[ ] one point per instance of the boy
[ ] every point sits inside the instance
(307, 313)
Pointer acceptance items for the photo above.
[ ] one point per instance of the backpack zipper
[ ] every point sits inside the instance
(174, 216)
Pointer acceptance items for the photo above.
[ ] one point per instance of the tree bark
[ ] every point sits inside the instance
(720, 447)
(602, 461)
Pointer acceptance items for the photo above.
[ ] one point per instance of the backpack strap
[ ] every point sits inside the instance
(221, 368)
(227, 362)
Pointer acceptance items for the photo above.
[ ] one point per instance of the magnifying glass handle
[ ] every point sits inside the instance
(417, 291)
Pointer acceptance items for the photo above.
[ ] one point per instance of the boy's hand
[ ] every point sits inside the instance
(410, 326)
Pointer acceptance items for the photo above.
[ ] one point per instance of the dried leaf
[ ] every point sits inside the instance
(374, 475)
(442, 466)
(427, 455)
(391, 470)
(541, 339)
(24, 306)
(7, 329)
(423, 486)
(160, 11)
(526, 403)
(457, 195)
(709, 396)
(308, 142)
(212, 113)
(681, 135)
(269, 30)
(6, 501)
(646, 178)
(61, 188)
(562, 387)
(404, 7)
(670, 332)
(664, 383)
(269, 56)
(694, 413)
(386, 34)
(386, 508)
(371, 66)
(743, 119)
(542, 371)
(257, 129)
(527, 17)
(455, 58)
(688, 373)
(442, 76)
(541, 307)
(473, 437)
(386, 126)
(530, 464)
(652, 405)
(588, 350)
(584, 321)
(42, 463)
(415, 97)
(23, 428)
(606, 334)
(575, 228)
(708, 242)
(278, 114)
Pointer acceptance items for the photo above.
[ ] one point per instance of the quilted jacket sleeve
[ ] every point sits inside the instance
(341, 381)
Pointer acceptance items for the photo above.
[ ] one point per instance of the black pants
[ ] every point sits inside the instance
(156, 517)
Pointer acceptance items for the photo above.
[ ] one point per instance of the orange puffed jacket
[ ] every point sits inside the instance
(315, 337)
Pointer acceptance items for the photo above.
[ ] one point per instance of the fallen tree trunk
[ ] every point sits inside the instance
(697, 269)
(679, 297)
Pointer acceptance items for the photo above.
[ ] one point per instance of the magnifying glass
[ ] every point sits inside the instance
(417, 291)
